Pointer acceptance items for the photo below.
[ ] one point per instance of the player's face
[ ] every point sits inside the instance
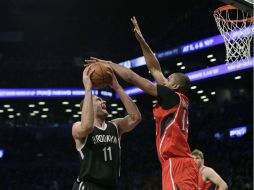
(100, 107)
(171, 82)
(197, 160)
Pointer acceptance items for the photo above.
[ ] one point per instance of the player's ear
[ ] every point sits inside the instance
(176, 86)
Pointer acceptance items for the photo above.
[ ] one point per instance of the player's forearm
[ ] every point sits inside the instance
(87, 116)
(129, 105)
(123, 72)
(150, 58)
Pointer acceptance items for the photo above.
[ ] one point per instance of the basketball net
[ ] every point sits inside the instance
(237, 29)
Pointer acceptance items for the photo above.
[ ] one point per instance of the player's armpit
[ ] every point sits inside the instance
(158, 76)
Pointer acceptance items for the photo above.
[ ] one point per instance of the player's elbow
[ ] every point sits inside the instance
(136, 118)
(225, 185)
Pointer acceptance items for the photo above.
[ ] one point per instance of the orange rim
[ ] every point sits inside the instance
(230, 7)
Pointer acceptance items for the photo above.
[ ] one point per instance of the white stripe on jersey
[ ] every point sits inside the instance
(119, 137)
(169, 125)
(170, 173)
(80, 149)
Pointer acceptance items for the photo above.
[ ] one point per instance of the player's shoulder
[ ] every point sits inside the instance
(207, 171)
(207, 168)
(78, 123)
(163, 88)
(75, 127)
(112, 124)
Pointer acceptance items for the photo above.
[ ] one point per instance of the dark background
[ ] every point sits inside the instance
(43, 45)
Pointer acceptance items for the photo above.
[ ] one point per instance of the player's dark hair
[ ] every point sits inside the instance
(183, 81)
(197, 152)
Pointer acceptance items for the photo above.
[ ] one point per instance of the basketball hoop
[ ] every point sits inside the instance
(237, 29)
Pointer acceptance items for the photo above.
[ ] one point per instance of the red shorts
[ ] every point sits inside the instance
(179, 174)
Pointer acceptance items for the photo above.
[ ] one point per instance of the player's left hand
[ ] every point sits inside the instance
(137, 30)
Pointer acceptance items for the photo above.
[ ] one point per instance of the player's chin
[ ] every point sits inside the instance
(105, 112)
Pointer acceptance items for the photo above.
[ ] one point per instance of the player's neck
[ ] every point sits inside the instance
(99, 122)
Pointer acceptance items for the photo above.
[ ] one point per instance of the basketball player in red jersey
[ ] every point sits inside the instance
(179, 171)
(208, 179)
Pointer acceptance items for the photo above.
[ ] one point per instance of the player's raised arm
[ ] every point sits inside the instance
(133, 118)
(151, 61)
(83, 128)
(129, 76)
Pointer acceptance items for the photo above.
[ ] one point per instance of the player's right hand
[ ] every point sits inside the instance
(87, 77)
(94, 60)
(114, 83)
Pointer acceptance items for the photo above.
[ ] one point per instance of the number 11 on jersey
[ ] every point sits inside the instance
(109, 155)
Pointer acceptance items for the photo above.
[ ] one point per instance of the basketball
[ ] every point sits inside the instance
(100, 78)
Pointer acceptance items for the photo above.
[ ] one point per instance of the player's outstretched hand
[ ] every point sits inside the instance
(137, 30)
(94, 60)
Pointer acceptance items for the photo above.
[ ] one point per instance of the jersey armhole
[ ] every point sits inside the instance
(119, 137)
(82, 144)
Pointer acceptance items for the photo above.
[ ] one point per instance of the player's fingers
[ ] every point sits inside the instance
(86, 65)
(132, 20)
(111, 69)
(86, 70)
(95, 59)
(137, 26)
(136, 23)
(89, 61)
(110, 73)
(90, 72)
(107, 65)
(135, 20)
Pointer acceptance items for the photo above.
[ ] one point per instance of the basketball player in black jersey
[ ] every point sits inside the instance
(98, 141)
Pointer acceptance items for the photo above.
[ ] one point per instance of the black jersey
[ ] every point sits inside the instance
(100, 156)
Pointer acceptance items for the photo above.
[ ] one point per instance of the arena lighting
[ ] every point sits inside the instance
(47, 93)
(220, 70)
(190, 47)
(218, 135)
(194, 76)
(205, 73)
(1, 153)
(238, 132)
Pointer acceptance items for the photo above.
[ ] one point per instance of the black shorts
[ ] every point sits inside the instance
(89, 186)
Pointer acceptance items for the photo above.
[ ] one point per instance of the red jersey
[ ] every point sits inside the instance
(172, 130)
(179, 171)
(205, 185)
